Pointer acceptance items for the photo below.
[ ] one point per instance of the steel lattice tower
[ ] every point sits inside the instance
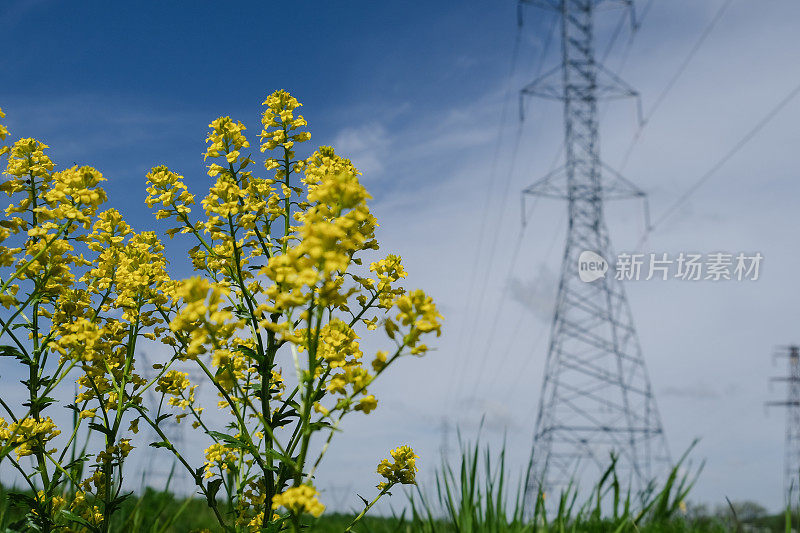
(791, 464)
(596, 397)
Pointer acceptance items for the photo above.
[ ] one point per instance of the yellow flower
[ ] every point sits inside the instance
(338, 344)
(280, 116)
(74, 195)
(380, 361)
(167, 189)
(24, 434)
(220, 456)
(418, 311)
(125, 447)
(367, 404)
(202, 319)
(388, 270)
(225, 138)
(173, 382)
(3, 133)
(299, 500)
(402, 469)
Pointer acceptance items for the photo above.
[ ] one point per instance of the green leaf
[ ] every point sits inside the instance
(11, 351)
(316, 426)
(162, 444)
(211, 492)
(116, 503)
(72, 517)
(21, 500)
(42, 402)
(102, 429)
(277, 455)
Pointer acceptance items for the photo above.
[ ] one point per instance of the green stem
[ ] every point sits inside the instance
(368, 507)
(212, 502)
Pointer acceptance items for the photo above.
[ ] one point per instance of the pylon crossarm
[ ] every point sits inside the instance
(549, 85)
(553, 185)
(618, 187)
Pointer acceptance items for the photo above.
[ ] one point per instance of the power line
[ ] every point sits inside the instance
(504, 355)
(721, 162)
(500, 304)
(472, 317)
(490, 187)
(490, 255)
(614, 36)
(504, 293)
(673, 80)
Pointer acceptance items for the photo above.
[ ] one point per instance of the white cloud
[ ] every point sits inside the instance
(366, 145)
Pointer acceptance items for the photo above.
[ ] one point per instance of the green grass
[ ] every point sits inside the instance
(475, 496)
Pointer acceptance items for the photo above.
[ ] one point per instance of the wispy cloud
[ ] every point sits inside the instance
(691, 391)
(366, 145)
(537, 295)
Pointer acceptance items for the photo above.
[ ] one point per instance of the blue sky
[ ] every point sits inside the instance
(154, 74)
(417, 94)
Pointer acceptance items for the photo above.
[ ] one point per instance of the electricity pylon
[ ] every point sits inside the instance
(791, 460)
(596, 398)
(161, 468)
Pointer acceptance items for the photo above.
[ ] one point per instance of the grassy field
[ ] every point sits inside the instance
(161, 512)
(475, 497)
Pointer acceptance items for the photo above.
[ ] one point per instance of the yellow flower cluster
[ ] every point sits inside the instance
(26, 435)
(167, 189)
(173, 382)
(226, 139)
(336, 224)
(218, 455)
(280, 116)
(176, 384)
(27, 158)
(338, 342)
(203, 319)
(299, 500)
(90, 513)
(416, 310)
(338, 346)
(339, 224)
(402, 468)
(140, 277)
(80, 340)
(250, 509)
(53, 257)
(388, 270)
(74, 195)
(55, 501)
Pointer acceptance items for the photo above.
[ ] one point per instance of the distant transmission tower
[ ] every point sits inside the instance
(596, 397)
(791, 464)
(157, 470)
